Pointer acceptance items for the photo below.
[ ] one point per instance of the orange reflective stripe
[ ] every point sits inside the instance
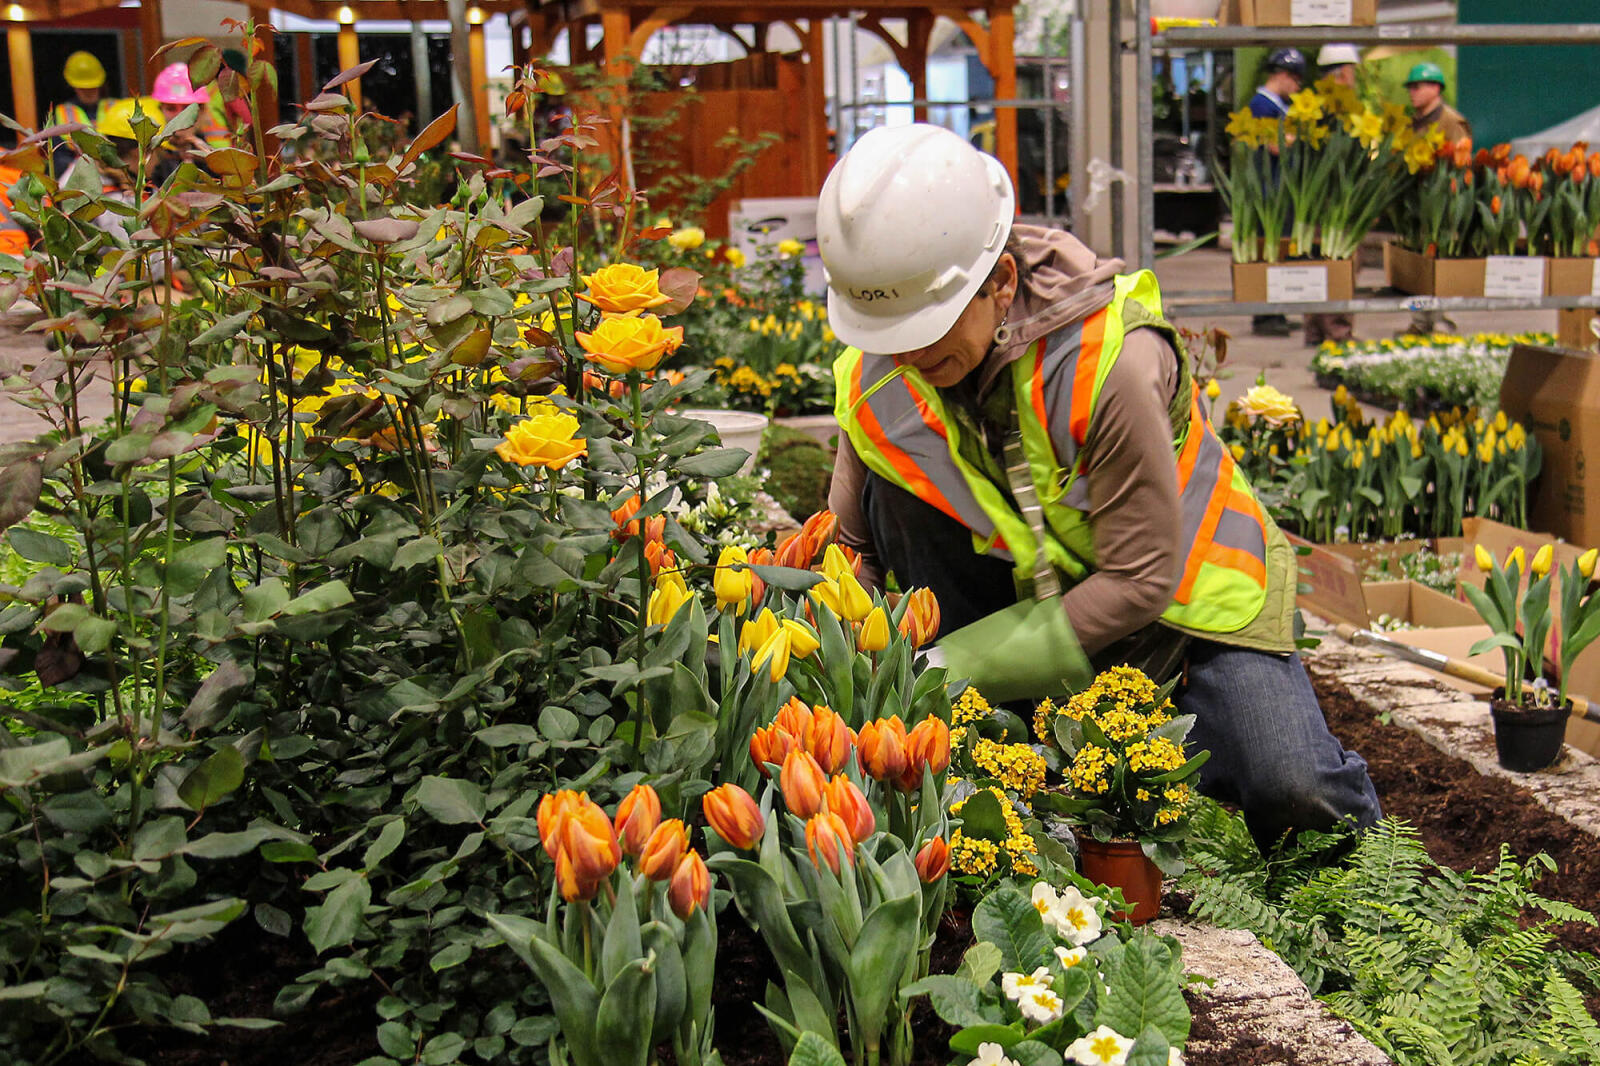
(1208, 527)
(919, 483)
(930, 417)
(1245, 504)
(1036, 391)
(1191, 446)
(1083, 397)
(1239, 560)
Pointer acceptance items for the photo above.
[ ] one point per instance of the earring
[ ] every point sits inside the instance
(1002, 335)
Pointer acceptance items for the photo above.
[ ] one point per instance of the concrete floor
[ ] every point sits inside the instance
(1284, 360)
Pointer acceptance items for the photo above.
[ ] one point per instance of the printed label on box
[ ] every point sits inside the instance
(1518, 276)
(1594, 277)
(1321, 12)
(1296, 284)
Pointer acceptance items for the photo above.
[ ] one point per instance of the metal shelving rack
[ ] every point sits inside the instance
(1206, 38)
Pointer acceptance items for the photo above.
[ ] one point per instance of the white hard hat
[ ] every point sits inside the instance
(909, 224)
(1337, 55)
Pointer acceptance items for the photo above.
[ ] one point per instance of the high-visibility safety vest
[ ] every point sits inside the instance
(903, 431)
(72, 111)
(13, 238)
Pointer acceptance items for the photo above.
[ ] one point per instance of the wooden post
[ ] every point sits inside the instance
(816, 149)
(266, 95)
(151, 38)
(478, 79)
(616, 29)
(350, 56)
(1002, 64)
(919, 28)
(305, 85)
(24, 105)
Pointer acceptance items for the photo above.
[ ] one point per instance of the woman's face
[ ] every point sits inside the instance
(955, 355)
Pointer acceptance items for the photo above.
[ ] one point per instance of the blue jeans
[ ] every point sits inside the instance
(1271, 752)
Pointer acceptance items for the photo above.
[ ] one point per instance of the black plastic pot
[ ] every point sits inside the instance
(1528, 739)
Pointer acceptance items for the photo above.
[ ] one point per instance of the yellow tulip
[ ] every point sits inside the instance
(1586, 562)
(755, 632)
(733, 586)
(1213, 389)
(854, 603)
(802, 640)
(826, 594)
(1484, 559)
(1541, 560)
(874, 631)
(1518, 558)
(1500, 421)
(834, 563)
(775, 654)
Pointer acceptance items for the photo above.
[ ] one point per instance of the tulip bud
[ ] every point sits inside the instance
(835, 564)
(1518, 558)
(796, 717)
(552, 814)
(573, 887)
(1484, 559)
(933, 861)
(874, 635)
(920, 622)
(802, 640)
(732, 586)
(690, 887)
(658, 555)
(589, 842)
(928, 745)
(771, 745)
(792, 552)
(734, 815)
(826, 594)
(827, 838)
(881, 747)
(758, 587)
(663, 850)
(854, 603)
(755, 632)
(637, 817)
(819, 531)
(801, 781)
(1586, 562)
(828, 740)
(850, 804)
(622, 517)
(774, 654)
(1213, 389)
(1541, 560)
(655, 528)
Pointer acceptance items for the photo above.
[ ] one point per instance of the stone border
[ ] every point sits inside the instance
(1254, 994)
(1458, 724)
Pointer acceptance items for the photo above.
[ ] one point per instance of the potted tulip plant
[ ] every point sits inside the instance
(1128, 782)
(1530, 714)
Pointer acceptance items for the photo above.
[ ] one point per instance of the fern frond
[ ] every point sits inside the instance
(1416, 1043)
(1568, 1026)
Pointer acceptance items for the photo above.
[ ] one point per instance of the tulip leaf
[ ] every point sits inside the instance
(622, 944)
(761, 898)
(1007, 919)
(786, 577)
(574, 999)
(880, 960)
(622, 1025)
(699, 961)
(807, 1010)
(813, 1049)
(954, 998)
(672, 980)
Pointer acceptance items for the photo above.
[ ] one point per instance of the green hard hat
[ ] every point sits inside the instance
(1425, 72)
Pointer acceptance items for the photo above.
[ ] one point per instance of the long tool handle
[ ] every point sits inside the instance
(1434, 660)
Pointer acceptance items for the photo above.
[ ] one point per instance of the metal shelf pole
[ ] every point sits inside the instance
(1147, 151)
(1246, 36)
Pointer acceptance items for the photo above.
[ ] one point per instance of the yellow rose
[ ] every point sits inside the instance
(1265, 403)
(623, 287)
(1213, 390)
(735, 258)
(687, 239)
(789, 246)
(631, 341)
(548, 440)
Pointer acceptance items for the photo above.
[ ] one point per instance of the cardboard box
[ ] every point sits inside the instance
(1571, 277)
(1308, 12)
(1389, 553)
(1507, 276)
(1297, 281)
(1574, 328)
(1330, 585)
(1555, 393)
(1417, 605)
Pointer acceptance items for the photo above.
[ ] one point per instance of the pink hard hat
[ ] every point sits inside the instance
(172, 87)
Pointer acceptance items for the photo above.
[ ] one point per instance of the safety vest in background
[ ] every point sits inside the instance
(904, 432)
(13, 238)
(72, 111)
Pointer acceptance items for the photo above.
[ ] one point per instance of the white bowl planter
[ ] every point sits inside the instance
(738, 429)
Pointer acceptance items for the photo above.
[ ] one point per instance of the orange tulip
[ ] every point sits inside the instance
(1494, 205)
(1482, 158)
(589, 842)
(758, 588)
(771, 745)
(795, 717)
(637, 817)
(690, 887)
(658, 555)
(829, 740)
(1536, 183)
(572, 886)
(1594, 164)
(655, 527)
(792, 552)
(827, 838)
(663, 850)
(1463, 153)
(819, 531)
(1518, 172)
(933, 861)
(850, 804)
(1501, 154)
(928, 745)
(552, 813)
(734, 815)
(801, 780)
(622, 518)
(920, 622)
(881, 746)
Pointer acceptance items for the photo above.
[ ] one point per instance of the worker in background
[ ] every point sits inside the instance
(86, 77)
(13, 238)
(1286, 72)
(1019, 417)
(1340, 63)
(1425, 86)
(174, 93)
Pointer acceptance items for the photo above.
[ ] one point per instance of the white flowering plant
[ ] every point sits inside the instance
(1050, 975)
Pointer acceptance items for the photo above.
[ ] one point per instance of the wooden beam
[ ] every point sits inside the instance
(617, 33)
(19, 46)
(816, 148)
(919, 30)
(648, 27)
(151, 38)
(478, 78)
(305, 86)
(1002, 64)
(350, 56)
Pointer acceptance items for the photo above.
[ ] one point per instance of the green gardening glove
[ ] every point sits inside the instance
(1027, 651)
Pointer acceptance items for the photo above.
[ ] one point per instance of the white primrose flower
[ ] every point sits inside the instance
(1041, 1006)
(1074, 917)
(1103, 1047)
(1017, 985)
(991, 1054)
(1044, 898)
(1070, 957)
(1175, 1057)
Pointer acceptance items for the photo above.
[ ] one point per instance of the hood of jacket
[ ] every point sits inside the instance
(1063, 282)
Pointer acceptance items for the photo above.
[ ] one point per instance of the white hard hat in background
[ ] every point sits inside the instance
(909, 224)
(1337, 55)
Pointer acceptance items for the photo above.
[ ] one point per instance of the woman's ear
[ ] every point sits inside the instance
(1005, 282)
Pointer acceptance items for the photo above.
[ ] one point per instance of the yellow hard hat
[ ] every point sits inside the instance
(117, 120)
(83, 71)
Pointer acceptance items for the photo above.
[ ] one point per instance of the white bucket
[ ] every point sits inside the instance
(738, 429)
